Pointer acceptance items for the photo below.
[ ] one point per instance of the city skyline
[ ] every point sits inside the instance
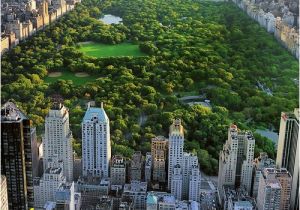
(149, 105)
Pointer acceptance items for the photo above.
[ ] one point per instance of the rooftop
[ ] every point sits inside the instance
(94, 113)
(11, 113)
(53, 170)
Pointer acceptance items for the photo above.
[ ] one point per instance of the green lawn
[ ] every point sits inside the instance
(104, 50)
(67, 75)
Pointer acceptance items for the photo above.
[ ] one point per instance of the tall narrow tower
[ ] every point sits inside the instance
(176, 141)
(288, 151)
(96, 147)
(58, 139)
(16, 157)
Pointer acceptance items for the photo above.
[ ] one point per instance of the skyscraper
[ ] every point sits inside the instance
(288, 151)
(235, 160)
(16, 157)
(159, 152)
(96, 147)
(176, 141)
(58, 139)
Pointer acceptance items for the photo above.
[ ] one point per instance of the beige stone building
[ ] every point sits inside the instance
(159, 152)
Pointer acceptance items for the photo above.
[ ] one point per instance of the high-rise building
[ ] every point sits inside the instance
(45, 188)
(16, 157)
(159, 152)
(235, 160)
(194, 184)
(189, 161)
(3, 194)
(148, 167)
(288, 151)
(176, 182)
(259, 164)
(274, 189)
(137, 192)
(176, 141)
(58, 139)
(285, 180)
(118, 171)
(136, 166)
(96, 146)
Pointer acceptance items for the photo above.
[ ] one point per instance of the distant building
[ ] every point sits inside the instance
(194, 184)
(148, 167)
(16, 157)
(237, 199)
(288, 151)
(3, 194)
(58, 139)
(77, 168)
(176, 182)
(136, 166)
(166, 201)
(118, 171)
(176, 141)
(90, 191)
(260, 164)
(137, 191)
(45, 188)
(65, 197)
(159, 152)
(96, 145)
(189, 162)
(235, 160)
(274, 190)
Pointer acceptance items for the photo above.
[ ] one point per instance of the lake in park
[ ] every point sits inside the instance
(111, 19)
(269, 134)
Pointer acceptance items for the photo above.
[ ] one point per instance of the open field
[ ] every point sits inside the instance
(104, 50)
(77, 78)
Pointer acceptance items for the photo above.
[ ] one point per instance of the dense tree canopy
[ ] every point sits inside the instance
(205, 48)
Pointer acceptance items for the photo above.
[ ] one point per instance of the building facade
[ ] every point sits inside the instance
(46, 187)
(136, 166)
(176, 182)
(259, 164)
(118, 171)
(16, 157)
(288, 151)
(194, 184)
(269, 190)
(137, 192)
(235, 160)
(159, 152)
(58, 139)
(96, 145)
(176, 141)
(3, 193)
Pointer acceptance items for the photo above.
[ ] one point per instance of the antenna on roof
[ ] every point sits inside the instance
(101, 105)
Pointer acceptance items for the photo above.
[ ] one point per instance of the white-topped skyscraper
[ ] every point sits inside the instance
(176, 141)
(96, 147)
(58, 139)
